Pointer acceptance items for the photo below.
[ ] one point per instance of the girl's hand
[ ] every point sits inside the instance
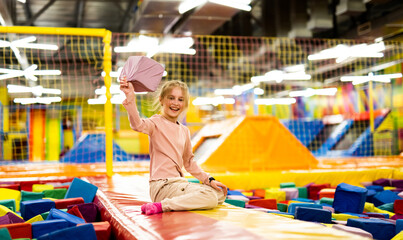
(219, 186)
(126, 87)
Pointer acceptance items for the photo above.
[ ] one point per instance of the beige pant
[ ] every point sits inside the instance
(177, 194)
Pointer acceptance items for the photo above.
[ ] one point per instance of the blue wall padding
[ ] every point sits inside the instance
(380, 229)
(313, 215)
(293, 206)
(384, 197)
(92, 149)
(334, 138)
(399, 225)
(59, 214)
(32, 208)
(363, 146)
(43, 227)
(81, 188)
(304, 130)
(82, 232)
(349, 198)
(376, 188)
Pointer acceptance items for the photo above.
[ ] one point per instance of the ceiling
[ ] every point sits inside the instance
(286, 18)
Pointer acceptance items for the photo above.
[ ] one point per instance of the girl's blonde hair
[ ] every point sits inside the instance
(165, 89)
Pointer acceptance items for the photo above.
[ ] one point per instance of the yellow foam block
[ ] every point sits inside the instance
(4, 210)
(248, 194)
(53, 199)
(398, 236)
(275, 193)
(37, 218)
(342, 216)
(377, 210)
(6, 194)
(41, 187)
(283, 215)
(389, 188)
(369, 207)
(293, 201)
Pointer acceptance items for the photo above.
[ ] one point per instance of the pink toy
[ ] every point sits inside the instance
(144, 73)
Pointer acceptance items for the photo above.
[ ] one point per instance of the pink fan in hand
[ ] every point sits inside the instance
(144, 73)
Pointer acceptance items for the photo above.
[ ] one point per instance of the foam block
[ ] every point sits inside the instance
(353, 230)
(4, 234)
(41, 187)
(302, 192)
(382, 182)
(14, 218)
(19, 230)
(275, 193)
(328, 208)
(313, 215)
(287, 185)
(44, 227)
(370, 195)
(307, 200)
(102, 230)
(290, 193)
(282, 207)
(32, 208)
(4, 210)
(259, 193)
(384, 197)
(313, 190)
(76, 212)
(59, 214)
(264, 203)
(64, 203)
(5, 220)
(397, 183)
(13, 186)
(379, 229)
(37, 218)
(387, 207)
(81, 188)
(234, 192)
(28, 196)
(27, 185)
(6, 194)
(342, 216)
(325, 200)
(89, 211)
(377, 188)
(82, 232)
(349, 198)
(238, 197)
(144, 73)
(293, 206)
(399, 225)
(327, 193)
(376, 215)
(9, 203)
(59, 193)
(235, 202)
(398, 206)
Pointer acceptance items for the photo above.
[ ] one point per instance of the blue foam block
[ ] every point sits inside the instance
(399, 225)
(349, 198)
(384, 197)
(292, 206)
(313, 215)
(377, 188)
(82, 232)
(81, 188)
(370, 195)
(303, 200)
(380, 229)
(234, 192)
(32, 208)
(43, 227)
(59, 214)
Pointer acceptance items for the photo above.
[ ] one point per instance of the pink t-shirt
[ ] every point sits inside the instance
(170, 145)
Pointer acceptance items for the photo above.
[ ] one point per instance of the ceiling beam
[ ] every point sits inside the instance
(39, 13)
(123, 24)
(79, 13)
(27, 10)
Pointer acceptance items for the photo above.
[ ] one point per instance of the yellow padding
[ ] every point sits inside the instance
(37, 218)
(6, 194)
(41, 187)
(4, 210)
(342, 216)
(369, 207)
(275, 193)
(398, 236)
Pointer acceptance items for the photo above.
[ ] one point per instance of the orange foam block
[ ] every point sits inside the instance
(13, 186)
(264, 203)
(313, 190)
(327, 192)
(64, 203)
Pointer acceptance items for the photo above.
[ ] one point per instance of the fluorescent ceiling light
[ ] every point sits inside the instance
(343, 52)
(2, 22)
(258, 91)
(312, 92)
(235, 90)
(275, 101)
(151, 46)
(385, 78)
(29, 73)
(239, 4)
(278, 76)
(215, 101)
(37, 90)
(42, 100)
(26, 43)
(187, 5)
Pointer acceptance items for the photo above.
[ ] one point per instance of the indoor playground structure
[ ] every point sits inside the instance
(298, 137)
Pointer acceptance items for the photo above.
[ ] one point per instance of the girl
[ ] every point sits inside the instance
(170, 150)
